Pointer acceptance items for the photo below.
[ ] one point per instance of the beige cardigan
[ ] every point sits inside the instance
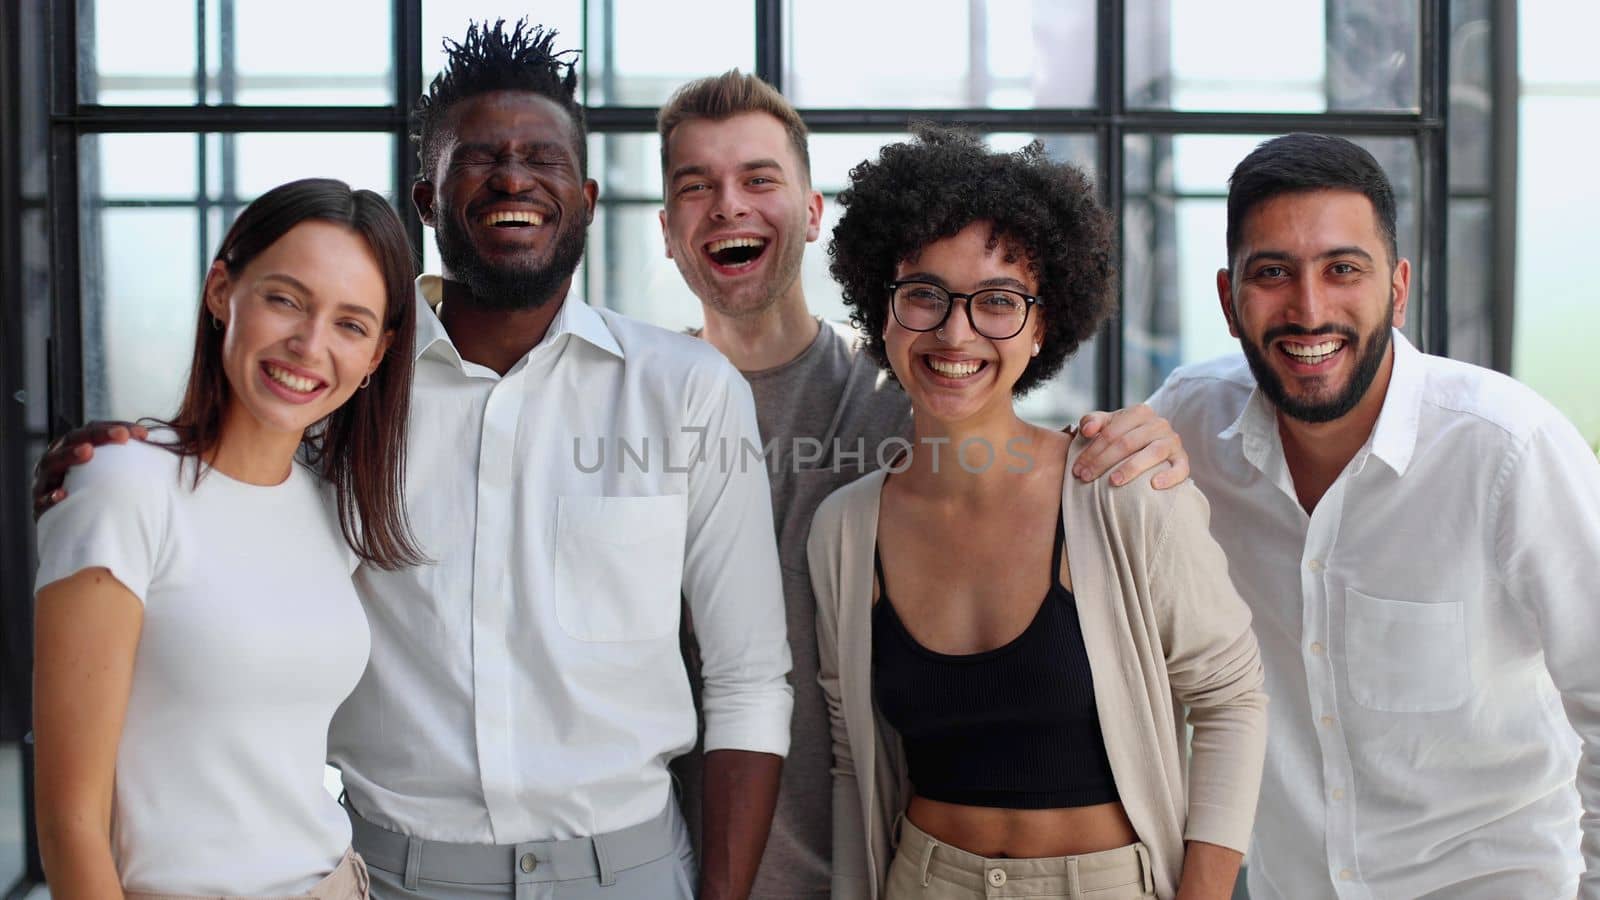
(1163, 626)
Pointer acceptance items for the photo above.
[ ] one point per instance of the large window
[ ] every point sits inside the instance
(134, 132)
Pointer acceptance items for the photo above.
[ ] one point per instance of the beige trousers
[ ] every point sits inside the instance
(347, 881)
(925, 869)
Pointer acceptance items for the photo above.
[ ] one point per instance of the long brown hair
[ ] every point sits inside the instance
(360, 447)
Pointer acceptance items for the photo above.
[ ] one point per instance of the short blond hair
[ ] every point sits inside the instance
(724, 96)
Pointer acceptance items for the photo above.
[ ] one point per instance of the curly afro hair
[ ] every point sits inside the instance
(928, 189)
(488, 59)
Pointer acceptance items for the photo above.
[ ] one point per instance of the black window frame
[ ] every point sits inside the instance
(1109, 120)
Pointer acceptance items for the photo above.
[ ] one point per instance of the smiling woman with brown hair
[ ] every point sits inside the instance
(1014, 740)
(196, 624)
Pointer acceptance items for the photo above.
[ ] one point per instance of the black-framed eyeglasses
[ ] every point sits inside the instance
(995, 313)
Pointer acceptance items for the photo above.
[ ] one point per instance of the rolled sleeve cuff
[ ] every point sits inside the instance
(755, 721)
(1219, 825)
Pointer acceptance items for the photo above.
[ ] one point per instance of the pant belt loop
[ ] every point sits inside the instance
(413, 862)
(608, 876)
(1074, 882)
(1147, 875)
(927, 859)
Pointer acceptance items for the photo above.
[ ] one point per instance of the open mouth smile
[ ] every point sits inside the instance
(1312, 354)
(291, 386)
(512, 218)
(736, 254)
(953, 369)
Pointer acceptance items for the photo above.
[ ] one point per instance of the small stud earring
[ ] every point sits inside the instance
(1036, 347)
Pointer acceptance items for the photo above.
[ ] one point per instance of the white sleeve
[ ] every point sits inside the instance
(1165, 399)
(114, 515)
(732, 581)
(1547, 546)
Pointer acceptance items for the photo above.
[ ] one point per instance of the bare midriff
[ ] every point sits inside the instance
(1023, 833)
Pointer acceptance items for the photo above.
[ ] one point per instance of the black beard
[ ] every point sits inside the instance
(1373, 349)
(509, 288)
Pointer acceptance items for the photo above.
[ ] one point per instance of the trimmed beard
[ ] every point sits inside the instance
(1373, 349)
(509, 287)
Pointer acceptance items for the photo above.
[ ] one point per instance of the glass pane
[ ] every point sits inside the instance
(443, 19)
(267, 160)
(12, 821)
(36, 293)
(627, 166)
(630, 271)
(1471, 282)
(637, 52)
(255, 52)
(262, 53)
(32, 113)
(1471, 98)
(1300, 56)
(146, 242)
(138, 53)
(1008, 54)
(1174, 224)
(1559, 119)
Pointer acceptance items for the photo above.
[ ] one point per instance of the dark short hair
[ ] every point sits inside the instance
(1301, 162)
(721, 97)
(930, 188)
(360, 448)
(488, 59)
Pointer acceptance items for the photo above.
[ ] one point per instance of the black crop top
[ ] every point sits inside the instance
(1015, 727)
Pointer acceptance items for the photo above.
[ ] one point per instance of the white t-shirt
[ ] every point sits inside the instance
(252, 637)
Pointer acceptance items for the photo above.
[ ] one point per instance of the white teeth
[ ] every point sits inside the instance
(519, 217)
(729, 243)
(291, 381)
(1312, 353)
(954, 369)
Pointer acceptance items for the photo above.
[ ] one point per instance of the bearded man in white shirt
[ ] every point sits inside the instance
(1417, 539)
(526, 692)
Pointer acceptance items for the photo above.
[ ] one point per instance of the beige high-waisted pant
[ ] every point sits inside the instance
(347, 881)
(926, 869)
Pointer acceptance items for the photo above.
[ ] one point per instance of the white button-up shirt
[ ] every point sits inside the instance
(527, 683)
(1421, 631)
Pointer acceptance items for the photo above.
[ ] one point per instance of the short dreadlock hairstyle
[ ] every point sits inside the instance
(930, 188)
(491, 60)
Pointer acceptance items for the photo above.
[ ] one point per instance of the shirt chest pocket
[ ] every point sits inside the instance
(1404, 656)
(619, 566)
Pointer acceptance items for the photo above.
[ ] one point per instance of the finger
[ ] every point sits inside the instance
(43, 503)
(139, 432)
(1115, 443)
(53, 466)
(1139, 463)
(1091, 423)
(112, 433)
(1176, 473)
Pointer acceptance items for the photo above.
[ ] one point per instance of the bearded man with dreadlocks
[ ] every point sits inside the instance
(570, 478)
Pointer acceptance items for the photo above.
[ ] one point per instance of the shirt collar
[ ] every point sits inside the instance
(1393, 439)
(576, 318)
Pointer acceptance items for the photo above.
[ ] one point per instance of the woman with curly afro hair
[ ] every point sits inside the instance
(1006, 651)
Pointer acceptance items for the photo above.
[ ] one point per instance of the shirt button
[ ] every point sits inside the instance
(1346, 874)
(1338, 794)
(997, 877)
(1316, 648)
(1315, 565)
(1326, 720)
(529, 862)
